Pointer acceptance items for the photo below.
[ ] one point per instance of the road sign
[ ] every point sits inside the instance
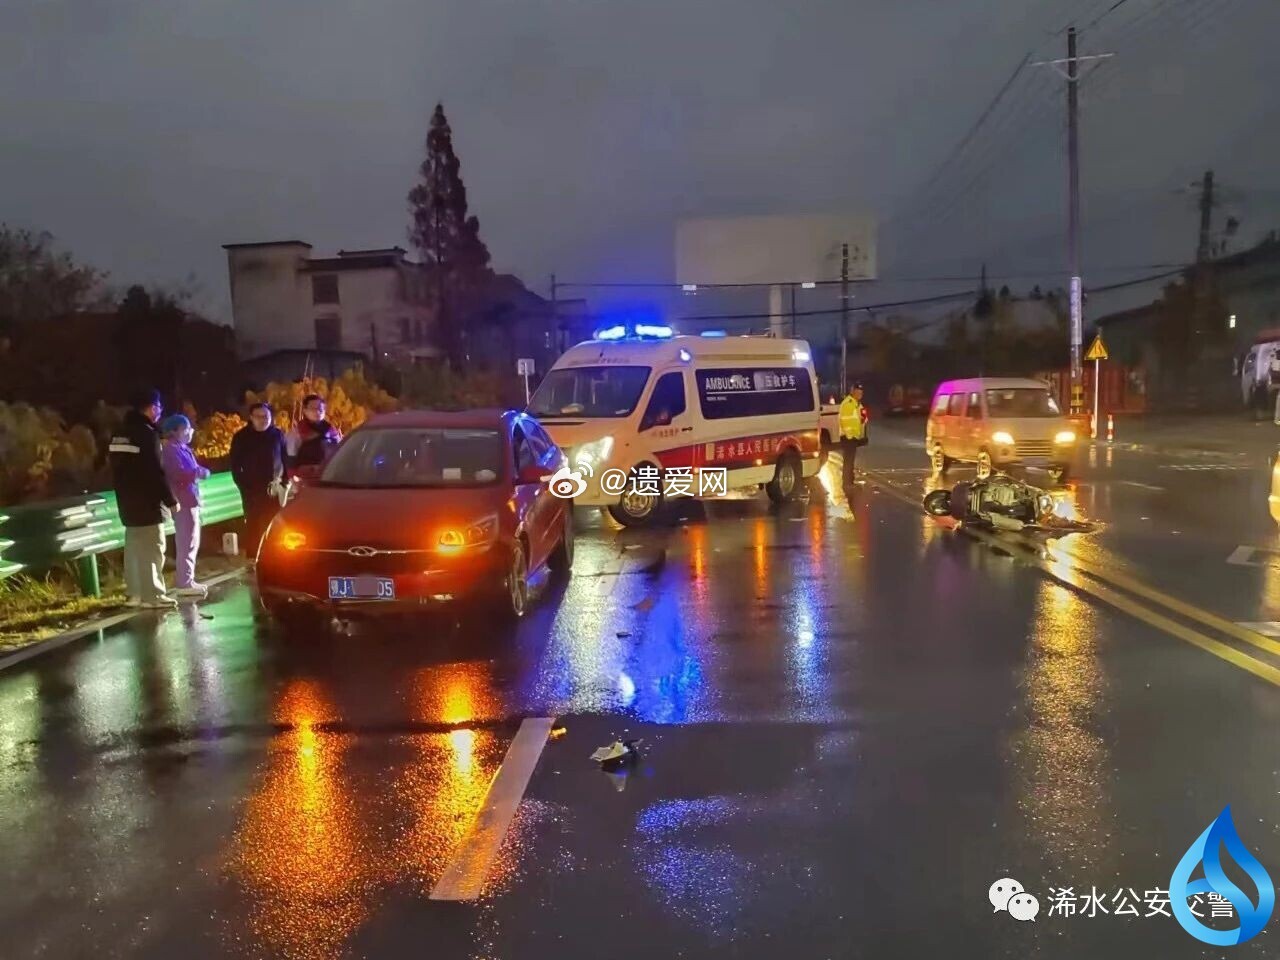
(524, 367)
(1097, 349)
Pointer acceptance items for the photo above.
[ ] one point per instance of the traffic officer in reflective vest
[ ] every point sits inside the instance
(853, 430)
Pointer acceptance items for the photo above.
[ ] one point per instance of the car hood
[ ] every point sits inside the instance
(395, 517)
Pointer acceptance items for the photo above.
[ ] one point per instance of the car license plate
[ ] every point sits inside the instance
(362, 588)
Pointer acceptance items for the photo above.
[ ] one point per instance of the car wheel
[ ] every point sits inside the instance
(561, 561)
(635, 509)
(941, 462)
(984, 465)
(787, 476)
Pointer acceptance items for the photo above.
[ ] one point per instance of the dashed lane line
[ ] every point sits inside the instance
(464, 878)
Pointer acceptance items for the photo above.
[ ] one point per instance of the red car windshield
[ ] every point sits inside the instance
(416, 457)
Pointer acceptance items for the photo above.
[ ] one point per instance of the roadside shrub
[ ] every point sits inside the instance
(351, 398)
(41, 458)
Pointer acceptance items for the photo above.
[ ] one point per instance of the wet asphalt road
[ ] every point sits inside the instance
(854, 722)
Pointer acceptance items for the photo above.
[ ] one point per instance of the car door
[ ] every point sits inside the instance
(955, 443)
(974, 426)
(529, 497)
(549, 510)
(666, 427)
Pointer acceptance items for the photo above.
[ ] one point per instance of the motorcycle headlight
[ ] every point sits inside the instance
(1065, 436)
(1003, 437)
(594, 453)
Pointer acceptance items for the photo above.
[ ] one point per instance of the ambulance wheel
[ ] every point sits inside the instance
(787, 478)
(985, 468)
(635, 509)
(940, 461)
(824, 451)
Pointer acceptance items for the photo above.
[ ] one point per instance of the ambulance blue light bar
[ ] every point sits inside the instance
(639, 331)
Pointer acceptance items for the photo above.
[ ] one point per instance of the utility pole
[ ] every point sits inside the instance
(1070, 70)
(1206, 216)
(555, 325)
(844, 319)
(1073, 221)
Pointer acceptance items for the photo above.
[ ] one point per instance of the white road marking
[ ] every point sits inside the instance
(464, 877)
(1204, 466)
(1142, 486)
(1242, 557)
(1268, 628)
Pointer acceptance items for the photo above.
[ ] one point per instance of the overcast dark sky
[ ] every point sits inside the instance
(146, 134)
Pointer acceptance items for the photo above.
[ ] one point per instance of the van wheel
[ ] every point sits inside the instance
(787, 477)
(635, 509)
(941, 462)
(984, 464)
(824, 448)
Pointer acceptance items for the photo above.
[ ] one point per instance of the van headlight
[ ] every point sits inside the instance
(1002, 437)
(594, 453)
(1065, 436)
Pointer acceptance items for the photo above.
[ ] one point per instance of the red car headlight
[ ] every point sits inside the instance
(479, 534)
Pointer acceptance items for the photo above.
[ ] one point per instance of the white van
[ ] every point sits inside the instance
(623, 401)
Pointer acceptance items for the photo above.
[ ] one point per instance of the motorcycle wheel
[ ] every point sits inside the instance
(937, 503)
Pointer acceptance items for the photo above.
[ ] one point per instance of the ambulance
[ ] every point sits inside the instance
(726, 412)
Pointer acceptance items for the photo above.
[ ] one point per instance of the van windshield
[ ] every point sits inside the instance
(589, 392)
(1021, 402)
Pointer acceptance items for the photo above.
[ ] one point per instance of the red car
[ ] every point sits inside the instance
(421, 508)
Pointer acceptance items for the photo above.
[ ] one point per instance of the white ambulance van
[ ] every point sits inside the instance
(639, 398)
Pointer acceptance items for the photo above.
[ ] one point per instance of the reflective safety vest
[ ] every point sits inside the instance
(852, 419)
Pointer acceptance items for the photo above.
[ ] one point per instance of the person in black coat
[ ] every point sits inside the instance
(142, 495)
(258, 461)
(313, 438)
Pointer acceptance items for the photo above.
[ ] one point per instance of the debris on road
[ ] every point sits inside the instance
(616, 755)
(557, 732)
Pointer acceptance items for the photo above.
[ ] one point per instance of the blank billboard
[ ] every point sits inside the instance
(773, 249)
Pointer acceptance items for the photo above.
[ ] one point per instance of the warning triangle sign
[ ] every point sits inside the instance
(1097, 349)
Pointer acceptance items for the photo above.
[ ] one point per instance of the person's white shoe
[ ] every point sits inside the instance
(197, 591)
(163, 602)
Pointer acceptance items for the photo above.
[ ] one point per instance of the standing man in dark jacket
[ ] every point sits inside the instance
(142, 494)
(313, 438)
(257, 465)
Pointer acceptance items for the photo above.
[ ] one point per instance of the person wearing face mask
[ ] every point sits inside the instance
(258, 461)
(184, 475)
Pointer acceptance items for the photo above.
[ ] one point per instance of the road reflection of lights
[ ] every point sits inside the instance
(463, 745)
(698, 550)
(1062, 763)
(299, 851)
(1093, 458)
(759, 542)
(626, 689)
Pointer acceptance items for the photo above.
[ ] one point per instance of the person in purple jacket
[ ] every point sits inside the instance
(183, 474)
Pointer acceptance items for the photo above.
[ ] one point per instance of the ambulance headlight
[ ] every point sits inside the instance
(594, 453)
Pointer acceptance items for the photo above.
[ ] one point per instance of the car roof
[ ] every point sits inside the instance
(490, 417)
(991, 383)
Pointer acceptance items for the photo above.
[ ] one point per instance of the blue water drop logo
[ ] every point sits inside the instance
(1206, 852)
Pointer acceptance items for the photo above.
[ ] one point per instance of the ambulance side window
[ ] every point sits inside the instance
(974, 411)
(666, 403)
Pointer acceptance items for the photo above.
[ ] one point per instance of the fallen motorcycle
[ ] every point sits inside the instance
(1004, 504)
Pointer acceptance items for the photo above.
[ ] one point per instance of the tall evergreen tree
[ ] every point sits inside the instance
(446, 237)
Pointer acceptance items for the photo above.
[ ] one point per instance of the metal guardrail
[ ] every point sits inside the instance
(77, 529)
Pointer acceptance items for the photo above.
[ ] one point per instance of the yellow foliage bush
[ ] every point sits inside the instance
(351, 399)
(213, 435)
(40, 457)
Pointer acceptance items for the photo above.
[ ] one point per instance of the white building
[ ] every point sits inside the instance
(366, 302)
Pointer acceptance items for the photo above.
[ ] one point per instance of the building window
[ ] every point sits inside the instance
(324, 288)
(328, 333)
